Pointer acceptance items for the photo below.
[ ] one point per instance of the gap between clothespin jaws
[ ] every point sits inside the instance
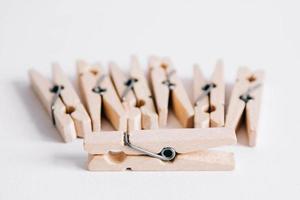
(167, 86)
(99, 93)
(246, 98)
(209, 97)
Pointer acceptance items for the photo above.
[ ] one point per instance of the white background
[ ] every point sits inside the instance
(36, 164)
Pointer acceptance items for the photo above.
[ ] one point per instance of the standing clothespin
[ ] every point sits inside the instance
(98, 93)
(209, 98)
(160, 150)
(166, 85)
(123, 86)
(62, 103)
(143, 96)
(246, 97)
(135, 95)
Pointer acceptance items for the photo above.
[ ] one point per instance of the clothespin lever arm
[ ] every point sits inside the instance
(166, 154)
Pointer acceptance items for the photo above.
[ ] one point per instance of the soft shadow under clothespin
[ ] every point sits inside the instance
(209, 98)
(99, 93)
(62, 103)
(167, 86)
(246, 97)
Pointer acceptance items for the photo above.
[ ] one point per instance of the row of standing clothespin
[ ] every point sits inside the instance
(138, 112)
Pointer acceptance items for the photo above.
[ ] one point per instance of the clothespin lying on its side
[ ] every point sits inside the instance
(62, 103)
(164, 149)
(209, 98)
(166, 85)
(246, 97)
(135, 95)
(98, 92)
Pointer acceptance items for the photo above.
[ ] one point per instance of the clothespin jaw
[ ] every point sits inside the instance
(209, 98)
(98, 93)
(246, 97)
(62, 103)
(124, 87)
(143, 96)
(166, 84)
(173, 148)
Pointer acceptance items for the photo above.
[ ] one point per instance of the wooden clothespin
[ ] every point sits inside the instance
(98, 93)
(164, 149)
(166, 85)
(209, 98)
(135, 95)
(62, 103)
(246, 97)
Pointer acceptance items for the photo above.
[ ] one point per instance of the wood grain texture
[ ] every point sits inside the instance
(64, 122)
(202, 117)
(129, 102)
(182, 140)
(197, 161)
(210, 109)
(160, 91)
(181, 105)
(245, 80)
(217, 97)
(144, 96)
(70, 98)
(109, 102)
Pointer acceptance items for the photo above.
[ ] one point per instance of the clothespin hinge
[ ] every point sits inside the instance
(246, 97)
(166, 154)
(56, 89)
(98, 89)
(207, 88)
(168, 82)
(129, 85)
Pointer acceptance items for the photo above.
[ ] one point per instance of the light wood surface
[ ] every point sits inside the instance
(209, 110)
(183, 109)
(217, 97)
(182, 140)
(64, 122)
(245, 80)
(129, 101)
(197, 161)
(144, 96)
(109, 102)
(70, 98)
(160, 91)
(202, 117)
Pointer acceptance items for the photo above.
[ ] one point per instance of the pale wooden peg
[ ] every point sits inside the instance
(143, 95)
(71, 100)
(217, 97)
(209, 98)
(182, 140)
(202, 117)
(160, 91)
(165, 83)
(246, 97)
(63, 121)
(123, 86)
(197, 161)
(98, 93)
